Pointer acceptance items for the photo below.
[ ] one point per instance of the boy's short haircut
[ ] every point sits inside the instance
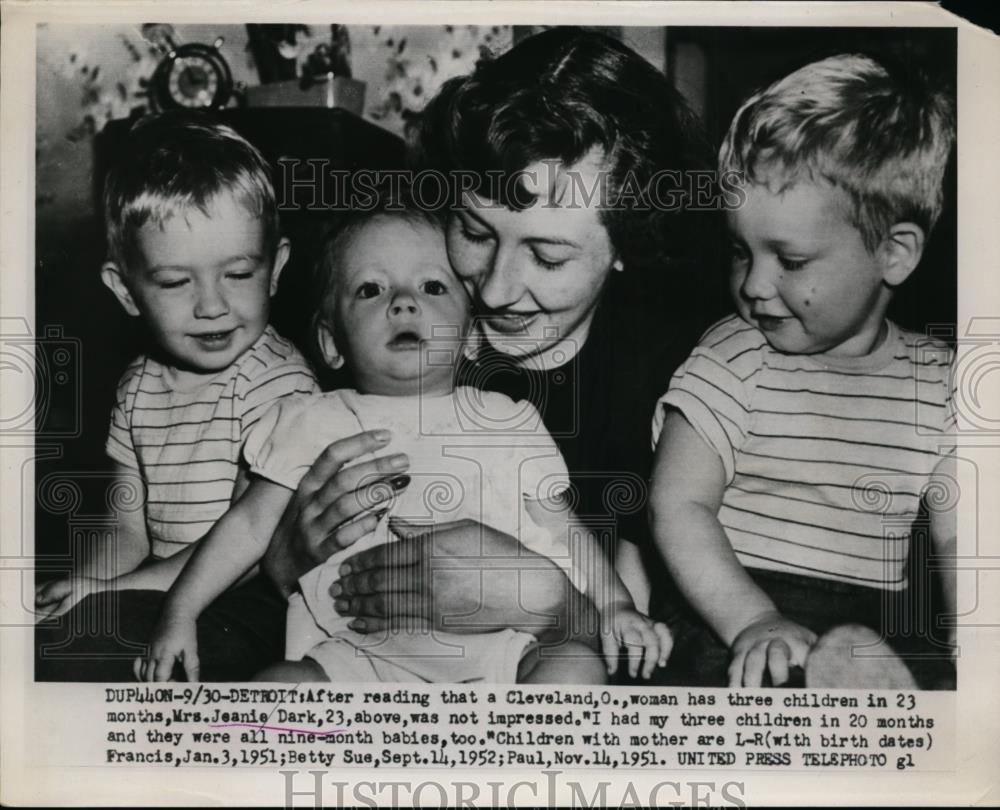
(175, 162)
(394, 200)
(883, 137)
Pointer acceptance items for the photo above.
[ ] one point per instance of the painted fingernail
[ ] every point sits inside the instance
(382, 435)
(398, 462)
(400, 482)
(341, 605)
(358, 624)
(336, 589)
(345, 569)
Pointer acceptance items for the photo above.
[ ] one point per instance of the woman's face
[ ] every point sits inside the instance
(537, 274)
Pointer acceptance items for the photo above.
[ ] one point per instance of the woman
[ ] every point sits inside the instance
(572, 150)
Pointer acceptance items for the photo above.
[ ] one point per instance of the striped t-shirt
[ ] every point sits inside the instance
(186, 444)
(826, 458)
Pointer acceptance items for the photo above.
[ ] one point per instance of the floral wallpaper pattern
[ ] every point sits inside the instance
(412, 76)
(105, 99)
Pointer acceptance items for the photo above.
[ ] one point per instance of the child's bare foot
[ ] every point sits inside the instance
(853, 656)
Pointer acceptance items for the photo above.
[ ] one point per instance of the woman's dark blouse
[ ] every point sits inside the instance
(599, 406)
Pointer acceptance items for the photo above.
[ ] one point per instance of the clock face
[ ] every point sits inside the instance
(193, 81)
(192, 76)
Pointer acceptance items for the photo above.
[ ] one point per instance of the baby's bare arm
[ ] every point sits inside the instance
(621, 622)
(604, 587)
(233, 546)
(630, 567)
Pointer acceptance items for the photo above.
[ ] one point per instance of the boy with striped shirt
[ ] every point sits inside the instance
(195, 251)
(796, 443)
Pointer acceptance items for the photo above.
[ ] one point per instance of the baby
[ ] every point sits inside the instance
(195, 252)
(789, 415)
(392, 311)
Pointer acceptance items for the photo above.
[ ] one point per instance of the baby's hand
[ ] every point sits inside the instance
(648, 642)
(769, 642)
(56, 597)
(175, 639)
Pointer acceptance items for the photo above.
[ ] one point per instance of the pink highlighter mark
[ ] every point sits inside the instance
(280, 728)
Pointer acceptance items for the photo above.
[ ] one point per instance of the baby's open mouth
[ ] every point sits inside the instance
(405, 340)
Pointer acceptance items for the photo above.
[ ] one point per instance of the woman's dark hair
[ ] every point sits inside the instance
(556, 96)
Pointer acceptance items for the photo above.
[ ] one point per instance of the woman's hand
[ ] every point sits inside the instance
(772, 643)
(58, 596)
(460, 576)
(334, 506)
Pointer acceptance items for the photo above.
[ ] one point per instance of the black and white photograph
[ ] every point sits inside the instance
(641, 375)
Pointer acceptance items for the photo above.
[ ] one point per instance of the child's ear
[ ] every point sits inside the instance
(901, 251)
(114, 279)
(331, 355)
(281, 255)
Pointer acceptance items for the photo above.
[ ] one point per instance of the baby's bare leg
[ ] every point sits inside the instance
(569, 662)
(303, 671)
